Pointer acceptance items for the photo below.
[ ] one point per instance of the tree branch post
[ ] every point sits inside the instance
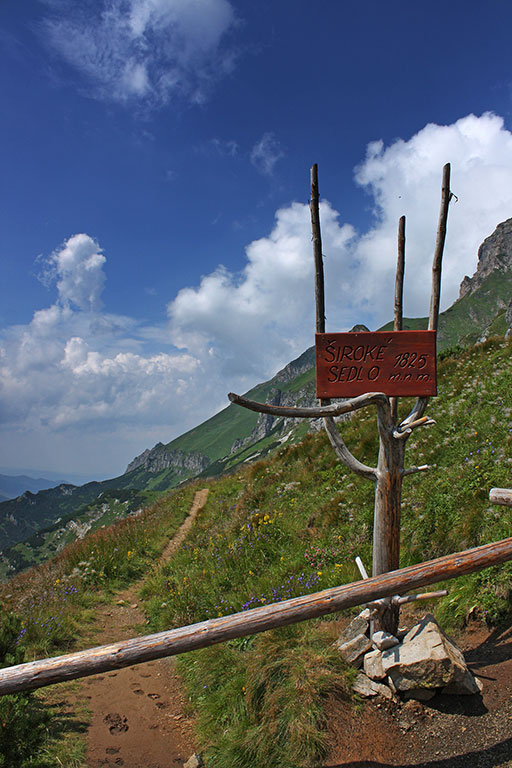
(399, 296)
(389, 473)
(317, 251)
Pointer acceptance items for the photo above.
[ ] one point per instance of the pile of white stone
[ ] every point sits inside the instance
(416, 664)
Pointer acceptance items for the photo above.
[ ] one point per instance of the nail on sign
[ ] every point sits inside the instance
(396, 363)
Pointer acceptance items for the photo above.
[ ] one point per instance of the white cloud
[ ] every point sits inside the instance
(77, 373)
(221, 147)
(78, 269)
(266, 153)
(405, 178)
(77, 370)
(248, 322)
(130, 50)
(255, 321)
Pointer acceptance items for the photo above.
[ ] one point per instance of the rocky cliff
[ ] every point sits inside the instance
(495, 253)
(160, 458)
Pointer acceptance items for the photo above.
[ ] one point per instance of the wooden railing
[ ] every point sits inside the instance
(36, 674)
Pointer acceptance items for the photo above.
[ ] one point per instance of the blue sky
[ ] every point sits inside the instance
(155, 155)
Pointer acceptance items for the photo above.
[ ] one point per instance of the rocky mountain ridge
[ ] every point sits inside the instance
(495, 254)
(157, 459)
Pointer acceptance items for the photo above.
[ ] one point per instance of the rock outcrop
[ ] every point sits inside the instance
(495, 253)
(159, 458)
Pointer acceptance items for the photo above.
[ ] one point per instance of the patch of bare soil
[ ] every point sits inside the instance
(446, 732)
(139, 715)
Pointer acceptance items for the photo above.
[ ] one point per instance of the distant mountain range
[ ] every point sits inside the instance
(12, 486)
(235, 436)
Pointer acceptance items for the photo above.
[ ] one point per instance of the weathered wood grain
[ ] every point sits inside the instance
(37, 674)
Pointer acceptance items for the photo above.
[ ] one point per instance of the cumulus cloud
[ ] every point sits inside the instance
(266, 153)
(256, 320)
(405, 178)
(76, 371)
(77, 268)
(132, 50)
(249, 321)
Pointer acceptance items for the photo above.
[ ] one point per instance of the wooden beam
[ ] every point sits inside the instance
(435, 298)
(501, 496)
(36, 674)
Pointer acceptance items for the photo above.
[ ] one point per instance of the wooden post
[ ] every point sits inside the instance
(317, 251)
(399, 295)
(390, 467)
(390, 470)
(36, 674)
(435, 298)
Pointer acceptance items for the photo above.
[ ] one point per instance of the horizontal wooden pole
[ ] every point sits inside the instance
(501, 496)
(36, 674)
(315, 412)
(413, 598)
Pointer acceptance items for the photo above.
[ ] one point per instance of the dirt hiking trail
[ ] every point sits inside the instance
(139, 717)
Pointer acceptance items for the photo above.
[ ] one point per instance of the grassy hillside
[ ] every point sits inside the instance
(290, 525)
(294, 524)
(467, 320)
(27, 522)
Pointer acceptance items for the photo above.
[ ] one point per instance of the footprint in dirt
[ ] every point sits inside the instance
(154, 695)
(138, 691)
(116, 723)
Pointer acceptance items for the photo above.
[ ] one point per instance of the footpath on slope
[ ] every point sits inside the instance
(139, 717)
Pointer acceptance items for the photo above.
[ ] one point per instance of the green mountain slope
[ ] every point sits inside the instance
(471, 317)
(235, 436)
(292, 525)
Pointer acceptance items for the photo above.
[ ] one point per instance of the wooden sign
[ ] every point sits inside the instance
(395, 362)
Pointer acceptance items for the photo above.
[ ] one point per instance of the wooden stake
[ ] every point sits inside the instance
(317, 251)
(433, 319)
(37, 674)
(399, 294)
(435, 299)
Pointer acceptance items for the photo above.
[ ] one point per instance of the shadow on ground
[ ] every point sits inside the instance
(491, 757)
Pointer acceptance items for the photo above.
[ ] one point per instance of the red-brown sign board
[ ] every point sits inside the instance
(395, 362)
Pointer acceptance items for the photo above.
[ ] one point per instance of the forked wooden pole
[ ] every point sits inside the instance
(390, 470)
(37, 674)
